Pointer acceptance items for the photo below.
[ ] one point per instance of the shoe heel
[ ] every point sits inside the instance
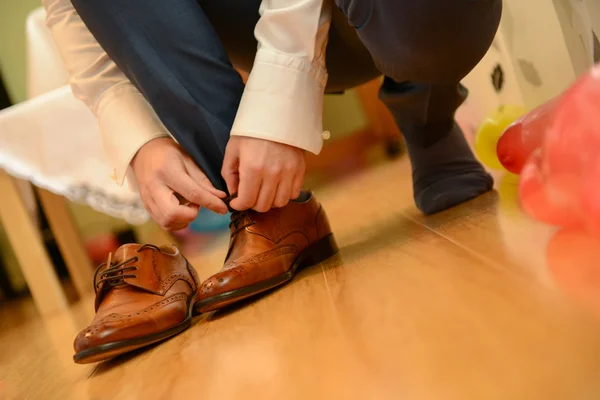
(319, 251)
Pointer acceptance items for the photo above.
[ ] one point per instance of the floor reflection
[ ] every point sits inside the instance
(573, 258)
(566, 258)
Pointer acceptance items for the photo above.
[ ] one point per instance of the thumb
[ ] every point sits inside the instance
(230, 171)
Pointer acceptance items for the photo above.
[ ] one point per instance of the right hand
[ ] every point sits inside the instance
(162, 170)
(263, 174)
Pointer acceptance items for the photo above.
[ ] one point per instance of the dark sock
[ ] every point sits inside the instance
(445, 171)
(304, 196)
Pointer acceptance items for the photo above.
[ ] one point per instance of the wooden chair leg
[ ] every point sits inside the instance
(68, 239)
(29, 249)
(378, 115)
(380, 119)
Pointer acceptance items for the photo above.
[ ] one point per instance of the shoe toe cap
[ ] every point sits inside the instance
(214, 285)
(98, 333)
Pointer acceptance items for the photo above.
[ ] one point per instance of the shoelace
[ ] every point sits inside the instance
(115, 274)
(238, 216)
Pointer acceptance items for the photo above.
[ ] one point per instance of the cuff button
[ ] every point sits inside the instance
(326, 135)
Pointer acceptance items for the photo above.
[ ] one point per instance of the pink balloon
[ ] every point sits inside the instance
(560, 142)
(524, 136)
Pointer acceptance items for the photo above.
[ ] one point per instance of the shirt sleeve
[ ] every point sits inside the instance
(283, 99)
(96, 80)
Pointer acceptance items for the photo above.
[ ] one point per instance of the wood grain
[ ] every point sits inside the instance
(447, 307)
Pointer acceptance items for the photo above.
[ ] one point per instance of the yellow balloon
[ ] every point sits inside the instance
(488, 134)
(508, 190)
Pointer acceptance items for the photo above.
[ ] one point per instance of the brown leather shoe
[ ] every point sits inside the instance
(266, 250)
(143, 295)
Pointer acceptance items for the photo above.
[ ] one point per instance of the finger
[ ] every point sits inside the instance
(176, 228)
(266, 195)
(230, 170)
(284, 192)
(200, 178)
(171, 214)
(183, 225)
(248, 189)
(149, 205)
(152, 208)
(193, 192)
(297, 184)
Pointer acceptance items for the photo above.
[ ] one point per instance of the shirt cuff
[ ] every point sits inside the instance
(127, 122)
(283, 102)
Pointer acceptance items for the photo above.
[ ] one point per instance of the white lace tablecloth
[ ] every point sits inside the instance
(53, 141)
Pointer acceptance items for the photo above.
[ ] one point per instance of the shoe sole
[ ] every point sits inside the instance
(316, 253)
(113, 349)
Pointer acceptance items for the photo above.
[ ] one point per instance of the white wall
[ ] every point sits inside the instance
(542, 47)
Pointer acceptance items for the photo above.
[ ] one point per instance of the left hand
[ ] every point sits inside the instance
(164, 174)
(262, 173)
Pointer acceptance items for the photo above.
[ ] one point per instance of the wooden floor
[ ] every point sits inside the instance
(474, 303)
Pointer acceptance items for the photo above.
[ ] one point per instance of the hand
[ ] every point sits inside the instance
(262, 173)
(164, 174)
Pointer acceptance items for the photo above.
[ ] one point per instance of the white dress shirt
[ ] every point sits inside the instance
(282, 102)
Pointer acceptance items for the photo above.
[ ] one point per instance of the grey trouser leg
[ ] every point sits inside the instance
(424, 48)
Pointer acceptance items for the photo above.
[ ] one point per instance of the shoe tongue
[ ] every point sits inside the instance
(126, 251)
(123, 253)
